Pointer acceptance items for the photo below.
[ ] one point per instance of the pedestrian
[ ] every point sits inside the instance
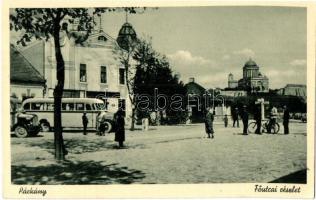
(273, 118)
(209, 118)
(120, 130)
(225, 120)
(101, 123)
(286, 118)
(85, 122)
(245, 120)
(258, 118)
(235, 117)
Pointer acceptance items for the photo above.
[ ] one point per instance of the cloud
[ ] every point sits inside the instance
(298, 62)
(246, 52)
(226, 57)
(187, 58)
(278, 79)
(204, 70)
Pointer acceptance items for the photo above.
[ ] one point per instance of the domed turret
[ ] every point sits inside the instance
(126, 36)
(250, 69)
(251, 64)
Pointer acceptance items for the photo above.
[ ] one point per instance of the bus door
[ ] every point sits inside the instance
(91, 115)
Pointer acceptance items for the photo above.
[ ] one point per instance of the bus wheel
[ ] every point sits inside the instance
(20, 132)
(45, 127)
(107, 127)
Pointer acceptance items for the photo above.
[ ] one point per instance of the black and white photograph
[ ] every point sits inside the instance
(159, 95)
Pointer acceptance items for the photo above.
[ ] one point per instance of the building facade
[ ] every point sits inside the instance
(298, 90)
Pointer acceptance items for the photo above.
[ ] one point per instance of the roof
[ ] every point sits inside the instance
(127, 29)
(295, 85)
(22, 71)
(194, 88)
(64, 100)
(250, 64)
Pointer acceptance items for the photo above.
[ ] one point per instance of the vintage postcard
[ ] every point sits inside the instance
(134, 99)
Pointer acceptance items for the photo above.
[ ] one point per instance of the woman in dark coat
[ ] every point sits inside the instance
(120, 130)
(209, 118)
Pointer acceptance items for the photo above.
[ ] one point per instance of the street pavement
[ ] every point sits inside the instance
(163, 154)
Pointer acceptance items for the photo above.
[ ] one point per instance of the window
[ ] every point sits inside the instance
(37, 106)
(122, 105)
(83, 73)
(67, 106)
(79, 106)
(103, 74)
(122, 76)
(88, 107)
(50, 106)
(26, 106)
(102, 38)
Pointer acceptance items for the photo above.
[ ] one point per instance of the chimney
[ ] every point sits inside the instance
(191, 80)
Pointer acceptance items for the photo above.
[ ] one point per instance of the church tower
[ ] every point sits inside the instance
(231, 82)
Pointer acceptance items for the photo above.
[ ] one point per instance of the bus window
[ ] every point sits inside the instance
(50, 106)
(26, 106)
(67, 106)
(88, 107)
(79, 106)
(37, 106)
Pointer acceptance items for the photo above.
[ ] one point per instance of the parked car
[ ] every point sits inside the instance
(304, 117)
(298, 116)
(22, 124)
(27, 125)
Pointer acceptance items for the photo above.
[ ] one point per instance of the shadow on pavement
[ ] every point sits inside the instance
(79, 146)
(296, 177)
(35, 136)
(69, 172)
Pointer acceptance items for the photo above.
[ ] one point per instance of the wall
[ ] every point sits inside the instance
(94, 54)
(26, 90)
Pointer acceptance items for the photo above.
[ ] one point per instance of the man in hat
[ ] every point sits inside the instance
(286, 119)
(209, 118)
(257, 118)
(273, 119)
(85, 122)
(245, 120)
(235, 114)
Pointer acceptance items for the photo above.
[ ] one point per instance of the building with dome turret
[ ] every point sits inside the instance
(253, 80)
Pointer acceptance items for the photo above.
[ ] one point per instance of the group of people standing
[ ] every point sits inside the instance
(119, 124)
(244, 115)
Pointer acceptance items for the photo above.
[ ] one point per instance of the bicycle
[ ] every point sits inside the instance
(252, 127)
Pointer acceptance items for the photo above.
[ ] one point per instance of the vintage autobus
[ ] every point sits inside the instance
(72, 111)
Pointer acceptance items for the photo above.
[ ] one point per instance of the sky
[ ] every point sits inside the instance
(208, 43)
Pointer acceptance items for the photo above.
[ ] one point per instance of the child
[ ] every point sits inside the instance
(225, 120)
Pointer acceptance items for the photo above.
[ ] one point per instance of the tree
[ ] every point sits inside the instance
(153, 73)
(125, 57)
(46, 23)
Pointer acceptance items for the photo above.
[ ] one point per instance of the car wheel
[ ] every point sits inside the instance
(107, 127)
(20, 132)
(45, 127)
